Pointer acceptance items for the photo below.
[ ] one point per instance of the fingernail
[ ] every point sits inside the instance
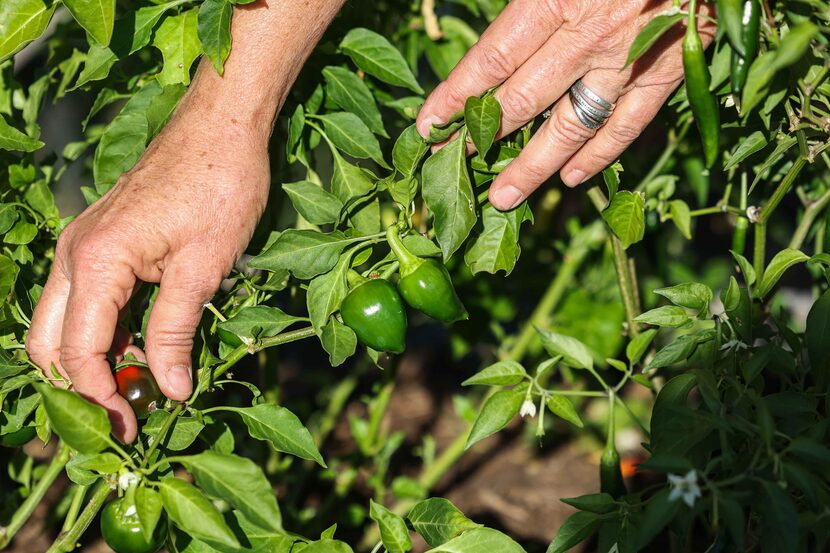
(507, 197)
(574, 178)
(180, 380)
(426, 125)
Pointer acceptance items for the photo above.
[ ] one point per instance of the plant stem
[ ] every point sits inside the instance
(810, 213)
(759, 250)
(781, 191)
(68, 540)
(25, 510)
(162, 433)
(74, 507)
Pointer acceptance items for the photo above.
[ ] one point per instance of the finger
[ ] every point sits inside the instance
(552, 145)
(172, 325)
(43, 342)
(97, 294)
(630, 118)
(521, 28)
(120, 342)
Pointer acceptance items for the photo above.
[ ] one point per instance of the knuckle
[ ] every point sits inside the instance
(73, 356)
(535, 172)
(622, 133)
(519, 105)
(177, 338)
(494, 62)
(453, 96)
(549, 11)
(568, 130)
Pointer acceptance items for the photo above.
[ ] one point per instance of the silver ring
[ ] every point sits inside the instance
(591, 109)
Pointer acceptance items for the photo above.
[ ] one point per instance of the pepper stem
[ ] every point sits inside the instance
(408, 260)
(355, 279)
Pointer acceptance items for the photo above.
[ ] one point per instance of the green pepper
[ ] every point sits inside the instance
(704, 103)
(425, 284)
(376, 313)
(750, 29)
(610, 472)
(122, 531)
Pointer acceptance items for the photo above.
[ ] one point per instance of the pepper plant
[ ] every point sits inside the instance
(368, 232)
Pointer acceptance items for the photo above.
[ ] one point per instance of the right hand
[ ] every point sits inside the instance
(181, 217)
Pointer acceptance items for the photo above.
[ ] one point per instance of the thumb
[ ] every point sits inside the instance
(172, 325)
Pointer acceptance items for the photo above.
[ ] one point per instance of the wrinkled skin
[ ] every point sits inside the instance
(535, 50)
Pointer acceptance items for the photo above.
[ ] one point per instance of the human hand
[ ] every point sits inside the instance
(535, 50)
(181, 217)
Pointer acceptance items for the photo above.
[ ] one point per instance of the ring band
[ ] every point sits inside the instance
(591, 109)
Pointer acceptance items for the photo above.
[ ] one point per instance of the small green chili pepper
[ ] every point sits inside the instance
(425, 284)
(750, 32)
(610, 472)
(703, 102)
(376, 313)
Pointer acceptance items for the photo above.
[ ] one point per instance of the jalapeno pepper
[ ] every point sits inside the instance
(703, 102)
(137, 385)
(610, 472)
(121, 529)
(376, 313)
(425, 284)
(750, 28)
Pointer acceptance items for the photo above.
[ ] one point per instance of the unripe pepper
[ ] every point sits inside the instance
(750, 29)
(610, 472)
(703, 102)
(121, 528)
(425, 284)
(376, 313)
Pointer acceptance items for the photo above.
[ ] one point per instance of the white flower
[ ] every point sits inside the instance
(684, 487)
(528, 409)
(127, 479)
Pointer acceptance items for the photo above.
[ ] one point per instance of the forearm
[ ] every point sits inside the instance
(271, 39)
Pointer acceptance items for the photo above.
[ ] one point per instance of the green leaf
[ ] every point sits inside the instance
(177, 39)
(503, 373)
(483, 118)
(21, 22)
(575, 529)
(574, 353)
(691, 295)
(779, 523)
(339, 341)
(479, 540)
(85, 468)
(678, 350)
(611, 177)
(497, 247)
(327, 545)
(182, 433)
(639, 345)
(667, 315)
(746, 268)
(282, 428)
(120, 148)
(8, 217)
(191, 511)
(353, 137)
(353, 187)
(496, 413)
(658, 513)
(653, 30)
(408, 151)
(21, 233)
(625, 215)
(816, 335)
(753, 143)
(306, 253)
(449, 195)
(350, 93)
(259, 321)
(438, 521)
(393, 531)
(214, 30)
(778, 265)
(148, 506)
(731, 297)
(372, 53)
(84, 426)
(312, 202)
(40, 197)
(247, 490)
(95, 16)
(562, 407)
(326, 292)
(682, 217)
(8, 276)
(15, 140)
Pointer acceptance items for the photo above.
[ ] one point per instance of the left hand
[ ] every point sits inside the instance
(535, 50)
